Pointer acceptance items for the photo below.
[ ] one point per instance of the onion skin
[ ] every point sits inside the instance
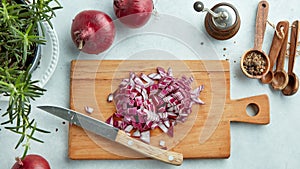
(31, 161)
(133, 13)
(92, 31)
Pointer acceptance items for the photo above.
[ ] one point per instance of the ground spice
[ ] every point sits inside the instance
(254, 63)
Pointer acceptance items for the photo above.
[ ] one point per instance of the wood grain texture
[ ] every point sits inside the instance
(282, 53)
(276, 44)
(281, 79)
(294, 38)
(206, 134)
(274, 52)
(261, 23)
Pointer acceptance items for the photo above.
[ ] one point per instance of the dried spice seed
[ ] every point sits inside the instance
(254, 63)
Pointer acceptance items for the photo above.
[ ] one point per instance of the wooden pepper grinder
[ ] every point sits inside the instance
(222, 21)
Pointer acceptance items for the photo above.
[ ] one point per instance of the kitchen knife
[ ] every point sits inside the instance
(105, 130)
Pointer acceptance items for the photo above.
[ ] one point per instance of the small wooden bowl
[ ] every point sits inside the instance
(266, 58)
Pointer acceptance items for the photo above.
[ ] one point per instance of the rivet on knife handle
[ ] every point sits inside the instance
(148, 150)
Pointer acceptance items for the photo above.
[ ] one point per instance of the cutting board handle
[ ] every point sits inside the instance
(237, 110)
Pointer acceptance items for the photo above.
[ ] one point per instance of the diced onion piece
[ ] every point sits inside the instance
(88, 109)
(145, 136)
(161, 71)
(167, 123)
(170, 72)
(110, 97)
(163, 127)
(137, 134)
(162, 143)
(157, 100)
(110, 120)
(128, 128)
(154, 76)
(171, 131)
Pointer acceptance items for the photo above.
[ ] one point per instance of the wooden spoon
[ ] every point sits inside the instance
(293, 84)
(261, 21)
(281, 78)
(274, 52)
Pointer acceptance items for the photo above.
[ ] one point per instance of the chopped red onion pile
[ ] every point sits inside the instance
(157, 100)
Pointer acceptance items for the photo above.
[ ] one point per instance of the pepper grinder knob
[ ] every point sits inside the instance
(222, 21)
(199, 7)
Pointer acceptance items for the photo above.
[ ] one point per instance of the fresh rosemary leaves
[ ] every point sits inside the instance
(19, 38)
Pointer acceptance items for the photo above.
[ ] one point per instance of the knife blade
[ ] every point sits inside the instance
(114, 134)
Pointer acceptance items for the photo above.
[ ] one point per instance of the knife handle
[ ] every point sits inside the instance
(148, 150)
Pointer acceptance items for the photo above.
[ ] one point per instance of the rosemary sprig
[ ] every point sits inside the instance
(19, 38)
(21, 91)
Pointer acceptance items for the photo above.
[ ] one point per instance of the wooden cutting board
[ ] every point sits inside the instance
(205, 135)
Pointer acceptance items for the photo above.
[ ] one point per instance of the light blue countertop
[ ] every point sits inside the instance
(271, 146)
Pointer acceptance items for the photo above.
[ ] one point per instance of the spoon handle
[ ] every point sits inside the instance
(281, 57)
(276, 44)
(293, 45)
(261, 23)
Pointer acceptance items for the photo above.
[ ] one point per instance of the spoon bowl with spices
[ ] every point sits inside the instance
(255, 63)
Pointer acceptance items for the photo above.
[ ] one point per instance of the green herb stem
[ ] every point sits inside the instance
(18, 39)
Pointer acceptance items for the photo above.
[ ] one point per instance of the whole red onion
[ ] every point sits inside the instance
(92, 31)
(31, 161)
(133, 13)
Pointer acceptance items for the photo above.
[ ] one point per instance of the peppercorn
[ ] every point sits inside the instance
(254, 63)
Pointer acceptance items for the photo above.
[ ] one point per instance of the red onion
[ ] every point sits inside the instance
(133, 13)
(157, 100)
(31, 162)
(92, 31)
